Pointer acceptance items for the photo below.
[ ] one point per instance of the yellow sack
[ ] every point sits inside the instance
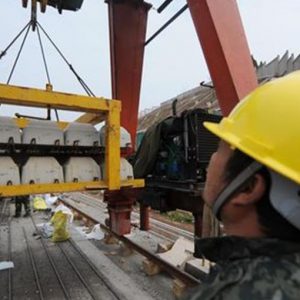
(60, 225)
(39, 203)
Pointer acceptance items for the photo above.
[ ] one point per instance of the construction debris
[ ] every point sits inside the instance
(4, 265)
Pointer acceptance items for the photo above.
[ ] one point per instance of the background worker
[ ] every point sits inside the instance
(253, 187)
(19, 200)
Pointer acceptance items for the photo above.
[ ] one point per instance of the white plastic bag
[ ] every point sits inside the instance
(50, 200)
(47, 230)
(96, 233)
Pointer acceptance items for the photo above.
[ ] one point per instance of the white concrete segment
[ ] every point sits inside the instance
(126, 170)
(81, 134)
(125, 138)
(9, 131)
(42, 170)
(80, 169)
(9, 171)
(43, 133)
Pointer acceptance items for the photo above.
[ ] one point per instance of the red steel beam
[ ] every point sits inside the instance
(222, 37)
(128, 21)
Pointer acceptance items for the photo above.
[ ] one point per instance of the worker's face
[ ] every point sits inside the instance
(215, 179)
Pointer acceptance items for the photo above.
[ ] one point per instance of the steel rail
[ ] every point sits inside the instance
(33, 264)
(9, 273)
(159, 232)
(157, 226)
(170, 230)
(64, 289)
(99, 275)
(2, 210)
(91, 292)
(96, 271)
(170, 269)
(181, 275)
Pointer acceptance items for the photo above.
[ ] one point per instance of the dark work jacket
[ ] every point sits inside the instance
(255, 269)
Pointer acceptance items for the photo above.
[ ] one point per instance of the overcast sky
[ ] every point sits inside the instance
(173, 62)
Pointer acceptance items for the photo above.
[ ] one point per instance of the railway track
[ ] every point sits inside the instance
(4, 211)
(97, 206)
(44, 270)
(85, 272)
(9, 258)
(158, 228)
(5, 246)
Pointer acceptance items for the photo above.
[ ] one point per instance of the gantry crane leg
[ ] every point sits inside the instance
(127, 24)
(222, 37)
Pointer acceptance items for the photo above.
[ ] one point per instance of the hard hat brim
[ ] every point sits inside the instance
(237, 143)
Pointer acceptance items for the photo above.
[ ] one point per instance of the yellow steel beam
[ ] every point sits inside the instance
(31, 189)
(137, 183)
(23, 122)
(89, 118)
(24, 96)
(112, 148)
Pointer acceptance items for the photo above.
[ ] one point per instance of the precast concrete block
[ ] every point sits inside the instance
(9, 171)
(180, 253)
(42, 170)
(80, 134)
(126, 169)
(125, 138)
(43, 133)
(9, 131)
(82, 169)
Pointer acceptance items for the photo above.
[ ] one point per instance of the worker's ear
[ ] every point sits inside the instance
(251, 192)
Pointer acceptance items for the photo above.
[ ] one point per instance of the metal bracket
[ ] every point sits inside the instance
(43, 5)
(24, 3)
(33, 19)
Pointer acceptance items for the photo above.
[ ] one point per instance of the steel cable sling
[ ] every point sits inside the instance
(39, 27)
(81, 81)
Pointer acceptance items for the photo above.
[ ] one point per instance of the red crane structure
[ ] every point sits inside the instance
(220, 31)
(221, 34)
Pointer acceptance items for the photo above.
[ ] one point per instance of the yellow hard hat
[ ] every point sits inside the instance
(266, 126)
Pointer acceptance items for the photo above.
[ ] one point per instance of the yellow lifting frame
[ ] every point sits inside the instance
(105, 109)
(30, 189)
(24, 122)
(15, 95)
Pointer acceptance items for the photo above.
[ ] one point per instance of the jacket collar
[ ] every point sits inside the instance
(231, 248)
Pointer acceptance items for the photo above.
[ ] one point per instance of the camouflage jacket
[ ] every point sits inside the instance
(253, 269)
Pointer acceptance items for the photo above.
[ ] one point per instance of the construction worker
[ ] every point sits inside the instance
(253, 188)
(19, 200)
